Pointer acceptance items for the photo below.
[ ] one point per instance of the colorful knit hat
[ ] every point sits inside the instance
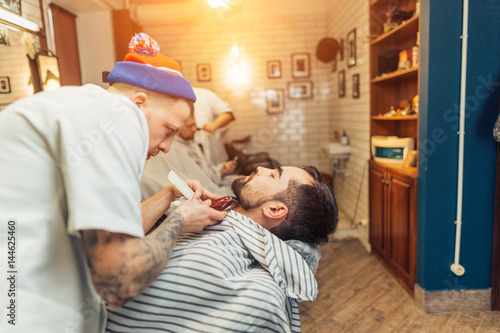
(146, 68)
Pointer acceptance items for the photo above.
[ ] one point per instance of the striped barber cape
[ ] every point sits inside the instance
(232, 277)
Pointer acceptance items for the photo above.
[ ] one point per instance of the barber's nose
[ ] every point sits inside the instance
(166, 144)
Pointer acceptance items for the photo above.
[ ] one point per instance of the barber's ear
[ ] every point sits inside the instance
(275, 210)
(139, 98)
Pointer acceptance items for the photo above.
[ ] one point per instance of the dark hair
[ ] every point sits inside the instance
(312, 210)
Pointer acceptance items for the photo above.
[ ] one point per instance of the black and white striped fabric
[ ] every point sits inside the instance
(232, 277)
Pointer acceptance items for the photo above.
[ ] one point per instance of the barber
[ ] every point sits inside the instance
(70, 166)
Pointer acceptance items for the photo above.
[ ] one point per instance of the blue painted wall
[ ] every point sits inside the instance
(441, 28)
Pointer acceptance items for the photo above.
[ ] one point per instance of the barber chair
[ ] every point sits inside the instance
(248, 163)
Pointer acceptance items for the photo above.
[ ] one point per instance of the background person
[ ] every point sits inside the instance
(70, 165)
(211, 114)
(188, 161)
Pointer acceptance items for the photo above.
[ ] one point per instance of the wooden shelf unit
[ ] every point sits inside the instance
(393, 188)
(397, 75)
(402, 31)
(410, 117)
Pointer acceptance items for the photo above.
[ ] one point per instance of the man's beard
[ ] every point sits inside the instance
(245, 199)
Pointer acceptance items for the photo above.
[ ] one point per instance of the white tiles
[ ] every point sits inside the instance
(352, 114)
(292, 137)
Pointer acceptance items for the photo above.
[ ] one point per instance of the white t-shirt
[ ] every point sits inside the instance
(209, 106)
(70, 160)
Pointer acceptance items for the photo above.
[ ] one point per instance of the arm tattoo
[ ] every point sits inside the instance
(123, 266)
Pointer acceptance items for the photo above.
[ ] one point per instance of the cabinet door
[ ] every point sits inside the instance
(401, 223)
(377, 209)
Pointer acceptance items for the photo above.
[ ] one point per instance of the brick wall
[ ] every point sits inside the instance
(349, 113)
(292, 137)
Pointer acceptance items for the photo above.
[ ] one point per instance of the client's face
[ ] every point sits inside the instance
(264, 184)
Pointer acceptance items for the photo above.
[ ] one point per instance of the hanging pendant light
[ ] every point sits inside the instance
(217, 3)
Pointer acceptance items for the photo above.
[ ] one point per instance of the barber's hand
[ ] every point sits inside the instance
(210, 127)
(197, 214)
(200, 191)
(229, 166)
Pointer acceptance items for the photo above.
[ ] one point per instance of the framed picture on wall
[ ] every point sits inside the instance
(274, 69)
(275, 100)
(300, 90)
(4, 85)
(301, 65)
(351, 48)
(204, 72)
(355, 86)
(334, 65)
(12, 5)
(341, 83)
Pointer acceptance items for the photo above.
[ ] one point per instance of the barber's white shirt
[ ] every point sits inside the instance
(70, 160)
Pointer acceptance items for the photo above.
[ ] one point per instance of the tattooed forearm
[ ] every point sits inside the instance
(123, 266)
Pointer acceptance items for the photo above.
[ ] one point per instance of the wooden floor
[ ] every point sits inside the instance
(356, 294)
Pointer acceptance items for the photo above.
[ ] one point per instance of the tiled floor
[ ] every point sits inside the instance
(358, 295)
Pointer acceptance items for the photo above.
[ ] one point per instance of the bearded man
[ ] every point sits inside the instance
(244, 274)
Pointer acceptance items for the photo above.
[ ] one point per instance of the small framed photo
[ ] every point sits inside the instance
(275, 100)
(351, 48)
(4, 85)
(355, 86)
(341, 77)
(12, 5)
(300, 90)
(301, 65)
(274, 69)
(204, 72)
(334, 65)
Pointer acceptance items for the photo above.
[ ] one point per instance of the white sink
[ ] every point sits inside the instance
(336, 151)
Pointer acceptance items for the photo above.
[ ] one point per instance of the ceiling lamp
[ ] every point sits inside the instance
(217, 3)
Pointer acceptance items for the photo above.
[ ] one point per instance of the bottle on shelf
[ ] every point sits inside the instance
(344, 140)
(415, 52)
(415, 104)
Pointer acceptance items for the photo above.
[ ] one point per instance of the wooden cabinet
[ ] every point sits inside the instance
(393, 188)
(393, 220)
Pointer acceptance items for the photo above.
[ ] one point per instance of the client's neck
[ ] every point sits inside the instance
(254, 214)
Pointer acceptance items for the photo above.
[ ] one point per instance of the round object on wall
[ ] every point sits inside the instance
(327, 49)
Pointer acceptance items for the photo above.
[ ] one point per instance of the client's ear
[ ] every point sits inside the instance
(275, 210)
